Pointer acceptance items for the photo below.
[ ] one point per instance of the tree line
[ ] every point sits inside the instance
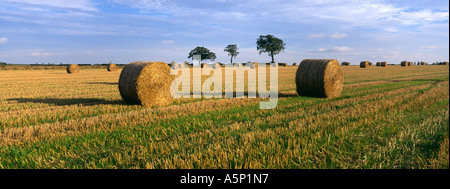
(264, 44)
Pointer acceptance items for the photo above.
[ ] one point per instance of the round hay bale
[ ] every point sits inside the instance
(383, 64)
(112, 67)
(146, 83)
(174, 66)
(370, 64)
(405, 63)
(73, 68)
(295, 64)
(364, 64)
(345, 64)
(378, 64)
(216, 65)
(254, 65)
(319, 78)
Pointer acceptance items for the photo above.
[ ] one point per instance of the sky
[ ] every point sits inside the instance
(123, 31)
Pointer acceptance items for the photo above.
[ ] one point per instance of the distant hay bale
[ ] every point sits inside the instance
(238, 65)
(378, 64)
(112, 67)
(254, 65)
(295, 64)
(146, 83)
(319, 78)
(345, 64)
(364, 64)
(282, 64)
(73, 68)
(383, 64)
(174, 65)
(216, 65)
(370, 64)
(405, 63)
(423, 63)
(409, 64)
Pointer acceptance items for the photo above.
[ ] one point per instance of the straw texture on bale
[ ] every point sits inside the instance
(73, 68)
(364, 64)
(112, 67)
(146, 83)
(345, 63)
(319, 78)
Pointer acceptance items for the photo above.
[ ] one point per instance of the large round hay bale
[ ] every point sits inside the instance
(378, 64)
(73, 68)
(112, 67)
(319, 78)
(364, 64)
(146, 83)
(383, 64)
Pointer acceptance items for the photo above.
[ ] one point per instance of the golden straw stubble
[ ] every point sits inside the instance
(146, 83)
(319, 78)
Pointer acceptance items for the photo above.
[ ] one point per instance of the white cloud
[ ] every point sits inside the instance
(334, 49)
(316, 36)
(41, 54)
(167, 42)
(85, 5)
(3, 40)
(338, 35)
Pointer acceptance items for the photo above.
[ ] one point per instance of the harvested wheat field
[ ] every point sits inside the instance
(384, 118)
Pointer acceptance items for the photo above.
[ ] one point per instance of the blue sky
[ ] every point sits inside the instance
(122, 31)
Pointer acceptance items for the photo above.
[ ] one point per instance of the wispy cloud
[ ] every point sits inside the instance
(334, 49)
(316, 36)
(85, 5)
(3, 40)
(338, 35)
(39, 54)
(167, 42)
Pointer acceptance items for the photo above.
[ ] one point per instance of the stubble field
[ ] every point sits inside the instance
(386, 118)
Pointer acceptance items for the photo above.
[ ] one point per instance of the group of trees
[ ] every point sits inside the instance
(264, 44)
